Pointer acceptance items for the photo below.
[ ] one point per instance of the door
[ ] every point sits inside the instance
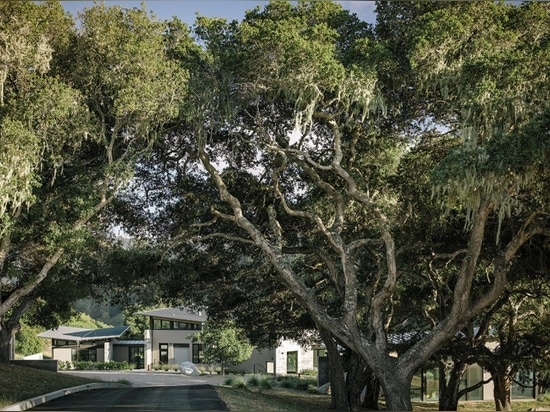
(136, 356)
(181, 353)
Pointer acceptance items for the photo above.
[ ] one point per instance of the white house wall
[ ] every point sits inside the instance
(62, 354)
(258, 361)
(305, 357)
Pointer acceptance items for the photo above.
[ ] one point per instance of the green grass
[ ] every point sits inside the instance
(18, 383)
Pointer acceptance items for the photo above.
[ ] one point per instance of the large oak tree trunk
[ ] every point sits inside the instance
(397, 389)
(6, 336)
(372, 392)
(501, 391)
(357, 376)
(338, 397)
(449, 385)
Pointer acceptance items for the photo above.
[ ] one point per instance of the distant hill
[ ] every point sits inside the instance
(103, 312)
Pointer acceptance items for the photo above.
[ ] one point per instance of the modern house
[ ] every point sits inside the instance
(169, 340)
(96, 345)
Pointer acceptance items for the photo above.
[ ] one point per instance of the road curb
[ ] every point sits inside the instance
(38, 400)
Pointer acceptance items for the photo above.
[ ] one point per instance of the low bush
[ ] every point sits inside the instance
(253, 381)
(239, 382)
(292, 382)
(313, 389)
(229, 381)
(266, 383)
(64, 365)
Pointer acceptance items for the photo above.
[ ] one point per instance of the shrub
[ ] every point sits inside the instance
(253, 381)
(64, 365)
(239, 382)
(309, 372)
(312, 389)
(229, 381)
(266, 383)
(544, 397)
(287, 383)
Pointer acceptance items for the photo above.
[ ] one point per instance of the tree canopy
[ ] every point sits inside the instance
(391, 178)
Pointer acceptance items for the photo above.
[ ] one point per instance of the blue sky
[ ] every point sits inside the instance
(230, 9)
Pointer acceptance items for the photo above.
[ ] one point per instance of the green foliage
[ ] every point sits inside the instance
(83, 320)
(114, 90)
(266, 383)
(27, 342)
(239, 382)
(224, 343)
(253, 381)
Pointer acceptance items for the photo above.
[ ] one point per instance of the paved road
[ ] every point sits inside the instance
(158, 398)
(151, 391)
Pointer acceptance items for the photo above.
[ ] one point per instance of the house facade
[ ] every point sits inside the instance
(170, 341)
(70, 344)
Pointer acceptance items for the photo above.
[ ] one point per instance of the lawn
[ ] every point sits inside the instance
(277, 399)
(18, 383)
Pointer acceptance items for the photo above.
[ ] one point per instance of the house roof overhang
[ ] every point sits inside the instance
(81, 334)
(181, 314)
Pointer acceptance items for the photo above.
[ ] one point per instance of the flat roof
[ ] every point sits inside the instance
(82, 334)
(179, 314)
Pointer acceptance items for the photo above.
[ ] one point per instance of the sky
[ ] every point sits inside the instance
(229, 9)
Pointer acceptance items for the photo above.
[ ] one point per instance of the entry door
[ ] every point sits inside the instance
(181, 353)
(136, 356)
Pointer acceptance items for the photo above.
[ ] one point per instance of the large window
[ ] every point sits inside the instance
(473, 375)
(84, 354)
(163, 353)
(162, 324)
(159, 324)
(292, 362)
(425, 385)
(198, 350)
(524, 385)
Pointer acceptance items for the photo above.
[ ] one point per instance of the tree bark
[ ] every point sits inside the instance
(5, 343)
(449, 388)
(372, 392)
(338, 397)
(357, 376)
(397, 391)
(501, 391)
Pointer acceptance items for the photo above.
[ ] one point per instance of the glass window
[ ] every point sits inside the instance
(292, 362)
(163, 353)
(180, 325)
(85, 354)
(523, 385)
(473, 375)
(198, 350)
(416, 386)
(162, 324)
(432, 385)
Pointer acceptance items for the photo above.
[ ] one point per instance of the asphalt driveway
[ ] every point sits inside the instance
(151, 391)
(157, 398)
